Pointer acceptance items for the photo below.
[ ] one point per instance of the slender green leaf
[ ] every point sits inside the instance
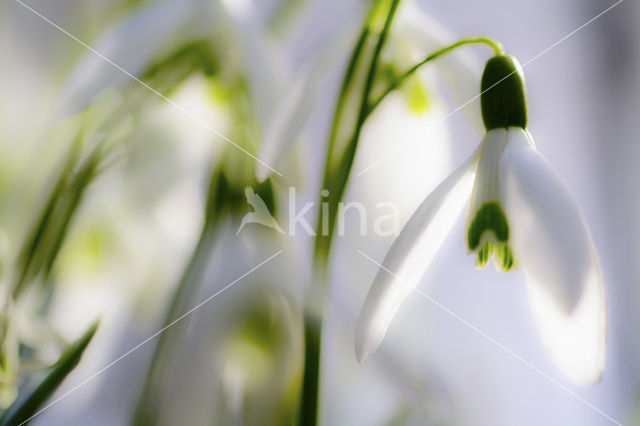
(28, 403)
(69, 205)
(166, 74)
(32, 245)
(43, 243)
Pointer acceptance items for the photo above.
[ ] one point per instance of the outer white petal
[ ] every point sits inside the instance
(131, 44)
(410, 255)
(553, 246)
(462, 70)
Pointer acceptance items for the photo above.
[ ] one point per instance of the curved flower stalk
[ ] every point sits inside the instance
(520, 213)
(414, 32)
(460, 69)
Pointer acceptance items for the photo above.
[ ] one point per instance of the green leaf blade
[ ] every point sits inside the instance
(27, 404)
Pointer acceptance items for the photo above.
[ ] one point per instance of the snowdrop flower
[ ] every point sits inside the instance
(520, 214)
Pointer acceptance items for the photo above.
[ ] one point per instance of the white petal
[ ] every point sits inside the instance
(576, 341)
(287, 124)
(461, 69)
(486, 187)
(131, 44)
(292, 113)
(263, 61)
(553, 246)
(410, 255)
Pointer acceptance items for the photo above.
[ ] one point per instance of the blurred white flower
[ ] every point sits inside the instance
(233, 27)
(132, 44)
(520, 212)
(239, 356)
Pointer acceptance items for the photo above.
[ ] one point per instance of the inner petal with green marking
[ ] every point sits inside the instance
(488, 234)
(487, 226)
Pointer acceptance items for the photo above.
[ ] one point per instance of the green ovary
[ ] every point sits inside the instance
(491, 218)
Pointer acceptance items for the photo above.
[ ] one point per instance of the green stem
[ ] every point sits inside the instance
(308, 410)
(340, 156)
(497, 50)
(322, 241)
(311, 382)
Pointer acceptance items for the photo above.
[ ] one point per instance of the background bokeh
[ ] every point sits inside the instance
(139, 223)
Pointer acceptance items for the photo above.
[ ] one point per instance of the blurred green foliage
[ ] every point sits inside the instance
(32, 397)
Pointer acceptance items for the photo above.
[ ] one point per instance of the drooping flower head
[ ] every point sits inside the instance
(521, 214)
(503, 104)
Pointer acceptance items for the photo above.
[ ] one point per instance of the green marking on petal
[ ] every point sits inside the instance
(484, 254)
(502, 256)
(489, 217)
(505, 257)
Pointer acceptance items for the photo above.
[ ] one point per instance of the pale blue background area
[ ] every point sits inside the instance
(584, 115)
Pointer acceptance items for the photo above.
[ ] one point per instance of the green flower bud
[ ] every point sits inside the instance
(503, 95)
